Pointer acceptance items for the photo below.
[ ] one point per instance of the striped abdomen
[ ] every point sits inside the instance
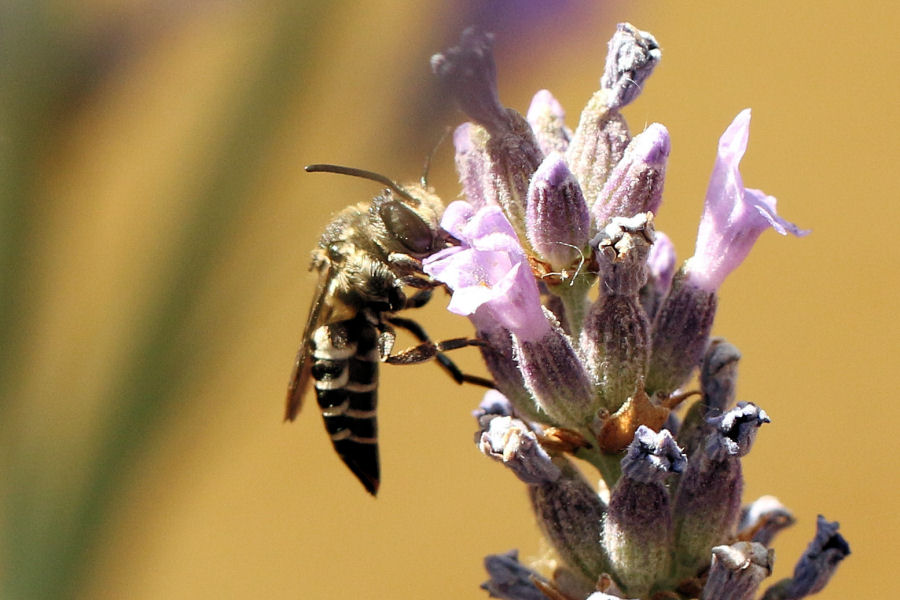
(345, 369)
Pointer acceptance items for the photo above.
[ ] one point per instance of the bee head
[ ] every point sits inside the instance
(406, 217)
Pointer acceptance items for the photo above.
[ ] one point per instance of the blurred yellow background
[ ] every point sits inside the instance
(155, 233)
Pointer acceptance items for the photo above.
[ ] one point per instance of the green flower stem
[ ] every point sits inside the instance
(574, 298)
(609, 465)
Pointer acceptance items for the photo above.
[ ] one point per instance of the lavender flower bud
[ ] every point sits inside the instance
(661, 266)
(555, 376)
(737, 571)
(680, 335)
(635, 185)
(717, 382)
(615, 344)
(597, 145)
(615, 341)
(556, 219)
(816, 566)
(547, 118)
(763, 519)
(510, 441)
(631, 58)
(509, 579)
(637, 531)
(527, 247)
(570, 514)
(708, 500)
(511, 149)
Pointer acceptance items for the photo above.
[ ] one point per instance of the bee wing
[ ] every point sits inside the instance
(318, 315)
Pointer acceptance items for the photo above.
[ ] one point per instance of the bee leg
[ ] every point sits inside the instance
(385, 343)
(429, 349)
(419, 299)
(404, 264)
(420, 282)
(423, 283)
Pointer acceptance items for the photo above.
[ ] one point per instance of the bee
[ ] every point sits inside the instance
(365, 258)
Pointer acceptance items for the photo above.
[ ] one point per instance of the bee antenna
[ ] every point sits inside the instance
(424, 178)
(363, 174)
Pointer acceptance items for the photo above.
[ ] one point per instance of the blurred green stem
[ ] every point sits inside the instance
(48, 558)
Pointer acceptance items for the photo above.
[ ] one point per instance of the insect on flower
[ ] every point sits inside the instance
(366, 256)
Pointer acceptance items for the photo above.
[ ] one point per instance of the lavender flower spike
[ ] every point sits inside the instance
(549, 213)
(733, 216)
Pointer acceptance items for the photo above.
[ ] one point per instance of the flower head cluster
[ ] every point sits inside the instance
(591, 331)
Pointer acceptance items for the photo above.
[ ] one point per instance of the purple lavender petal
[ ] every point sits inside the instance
(733, 216)
(472, 164)
(488, 272)
(661, 262)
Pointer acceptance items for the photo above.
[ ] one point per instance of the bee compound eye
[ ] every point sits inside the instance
(407, 227)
